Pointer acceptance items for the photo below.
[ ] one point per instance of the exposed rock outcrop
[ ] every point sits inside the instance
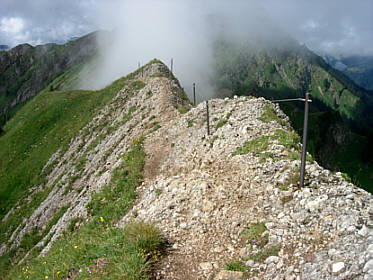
(229, 196)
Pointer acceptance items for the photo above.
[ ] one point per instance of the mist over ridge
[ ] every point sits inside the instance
(180, 30)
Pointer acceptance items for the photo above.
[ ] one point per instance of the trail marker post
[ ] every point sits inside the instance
(194, 94)
(207, 117)
(305, 133)
(307, 100)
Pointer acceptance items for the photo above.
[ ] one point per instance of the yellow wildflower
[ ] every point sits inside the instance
(75, 247)
(58, 273)
(102, 219)
(46, 277)
(44, 262)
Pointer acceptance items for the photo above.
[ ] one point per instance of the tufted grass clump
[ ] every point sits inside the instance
(236, 265)
(221, 123)
(288, 138)
(255, 146)
(254, 234)
(265, 253)
(270, 115)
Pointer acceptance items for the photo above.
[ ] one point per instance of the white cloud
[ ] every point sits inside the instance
(12, 25)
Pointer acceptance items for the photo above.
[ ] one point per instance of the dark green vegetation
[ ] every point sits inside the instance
(236, 265)
(341, 117)
(100, 250)
(26, 70)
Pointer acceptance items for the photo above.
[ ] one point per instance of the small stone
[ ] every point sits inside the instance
(280, 215)
(206, 266)
(368, 266)
(351, 229)
(183, 225)
(272, 259)
(364, 231)
(250, 263)
(338, 267)
(229, 275)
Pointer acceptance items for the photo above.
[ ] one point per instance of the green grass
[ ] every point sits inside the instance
(288, 138)
(255, 146)
(253, 234)
(265, 253)
(190, 123)
(236, 265)
(32, 238)
(221, 123)
(44, 125)
(116, 198)
(270, 115)
(99, 249)
(183, 109)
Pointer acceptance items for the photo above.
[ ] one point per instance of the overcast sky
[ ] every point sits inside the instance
(338, 27)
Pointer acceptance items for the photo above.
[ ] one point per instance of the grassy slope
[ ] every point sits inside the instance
(44, 125)
(100, 250)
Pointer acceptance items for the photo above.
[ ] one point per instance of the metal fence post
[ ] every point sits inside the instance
(194, 94)
(208, 118)
(172, 65)
(304, 147)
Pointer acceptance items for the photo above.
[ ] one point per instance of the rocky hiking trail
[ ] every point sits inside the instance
(224, 201)
(205, 197)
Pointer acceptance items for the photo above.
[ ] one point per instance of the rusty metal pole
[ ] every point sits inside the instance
(304, 147)
(194, 94)
(208, 117)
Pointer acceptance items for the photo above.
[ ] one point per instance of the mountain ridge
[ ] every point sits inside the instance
(198, 189)
(26, 70)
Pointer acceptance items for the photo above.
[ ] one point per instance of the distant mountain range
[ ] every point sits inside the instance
(26, 70)
(358, 68)
(341, 118)
(4, 47)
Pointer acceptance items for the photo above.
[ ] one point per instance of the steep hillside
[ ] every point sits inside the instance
(358, 68)
(137, 190)
(341, 112)
(26, 70)
(290, 70)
